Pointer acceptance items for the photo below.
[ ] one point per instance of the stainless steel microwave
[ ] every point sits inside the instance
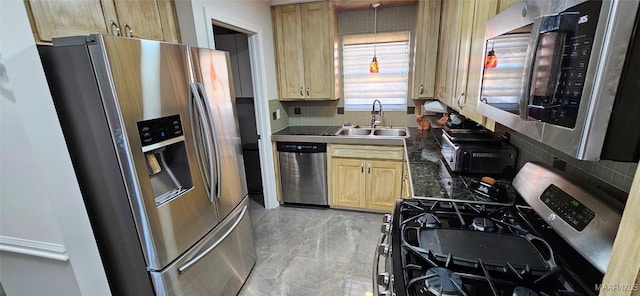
(562, 73)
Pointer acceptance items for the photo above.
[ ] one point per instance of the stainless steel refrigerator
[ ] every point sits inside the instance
(153, 136)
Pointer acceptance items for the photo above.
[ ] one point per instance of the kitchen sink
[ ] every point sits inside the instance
(354, 132)
(391, 132)
(374, 133)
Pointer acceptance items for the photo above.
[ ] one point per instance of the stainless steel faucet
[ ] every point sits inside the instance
(374, 122)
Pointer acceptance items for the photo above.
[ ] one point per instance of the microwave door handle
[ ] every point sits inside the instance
(205, 135)
(208, 109)
(529, 68)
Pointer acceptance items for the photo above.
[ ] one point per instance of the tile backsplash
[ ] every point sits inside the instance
(612, 177)
(283, 121)
(326, 113)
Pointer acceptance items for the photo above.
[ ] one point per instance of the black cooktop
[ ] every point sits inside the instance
(458, 248)
(309, 130)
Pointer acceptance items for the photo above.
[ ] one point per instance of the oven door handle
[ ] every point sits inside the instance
(386, 229)
(376, 262)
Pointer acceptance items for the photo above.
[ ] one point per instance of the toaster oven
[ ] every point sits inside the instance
(478, 155)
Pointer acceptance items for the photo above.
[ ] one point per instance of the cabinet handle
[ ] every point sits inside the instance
(461, 100)
(114, 24)
(362, 167)
(369, 168)
(421, 89)
(307, 91)
(302, 91)
(128, 29)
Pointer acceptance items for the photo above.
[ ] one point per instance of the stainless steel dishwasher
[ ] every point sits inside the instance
(303, 172)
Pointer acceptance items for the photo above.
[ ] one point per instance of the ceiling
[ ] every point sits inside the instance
(348, 4)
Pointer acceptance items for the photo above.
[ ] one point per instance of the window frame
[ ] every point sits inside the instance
(370, 38)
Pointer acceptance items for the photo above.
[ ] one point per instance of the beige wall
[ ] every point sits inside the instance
(47, 246)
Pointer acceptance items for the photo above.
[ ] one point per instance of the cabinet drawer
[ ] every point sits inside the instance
(368, 152)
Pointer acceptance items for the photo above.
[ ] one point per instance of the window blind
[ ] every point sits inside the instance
(390, 85)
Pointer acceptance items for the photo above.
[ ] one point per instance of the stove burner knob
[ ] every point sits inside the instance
(384, 279)
(552, 217)
(383, 249)
(386, 228)
(386, 218)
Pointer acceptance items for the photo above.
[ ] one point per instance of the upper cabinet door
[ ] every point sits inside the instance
(57, 18)
(289, 49)
(304, 51)
(448, 50)
(146, 19)
(426, 50)
(318, 63)
(139, 19)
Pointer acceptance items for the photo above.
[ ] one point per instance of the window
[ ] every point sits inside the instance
(390, 85)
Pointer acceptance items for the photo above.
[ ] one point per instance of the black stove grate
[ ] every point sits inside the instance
(424, 246)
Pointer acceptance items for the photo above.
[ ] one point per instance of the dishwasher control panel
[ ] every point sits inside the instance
(301, 147)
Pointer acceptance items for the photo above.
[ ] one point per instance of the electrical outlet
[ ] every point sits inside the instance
(559, 164)
(296, 110)
(340, 110)
(274, 115)
(277, 113)
(411, 110)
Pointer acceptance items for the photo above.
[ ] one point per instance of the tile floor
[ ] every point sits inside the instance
(308, 251)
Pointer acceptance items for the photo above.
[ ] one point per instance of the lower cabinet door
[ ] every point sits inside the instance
(348, 182)
(384, 184)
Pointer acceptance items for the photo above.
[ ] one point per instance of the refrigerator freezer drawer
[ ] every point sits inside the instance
(217, 265)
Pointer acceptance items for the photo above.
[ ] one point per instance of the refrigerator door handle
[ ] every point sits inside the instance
(204, 253)
(194, 101)
(207, 107)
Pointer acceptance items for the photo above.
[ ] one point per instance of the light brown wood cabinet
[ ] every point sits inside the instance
(624, 264)
(368, 177)
(426, 49)
(460, 54)
(455, 19)
(147, 19)
(304, 51)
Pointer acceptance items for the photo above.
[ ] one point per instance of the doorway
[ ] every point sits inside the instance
(237, 44)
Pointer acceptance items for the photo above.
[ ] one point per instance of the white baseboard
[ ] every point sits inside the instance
(34, 248)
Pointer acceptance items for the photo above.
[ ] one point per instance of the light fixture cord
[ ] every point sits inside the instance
(375, 30)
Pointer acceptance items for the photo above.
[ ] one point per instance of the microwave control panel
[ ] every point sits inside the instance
(574, 29)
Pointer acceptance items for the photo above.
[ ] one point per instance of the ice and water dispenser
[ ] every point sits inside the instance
(166, 157)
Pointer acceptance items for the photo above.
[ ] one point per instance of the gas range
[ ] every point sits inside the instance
(436, 247)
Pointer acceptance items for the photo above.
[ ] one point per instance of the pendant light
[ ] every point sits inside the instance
(491, 60)
(373, 66)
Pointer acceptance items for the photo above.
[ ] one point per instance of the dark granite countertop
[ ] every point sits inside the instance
(430, 178)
